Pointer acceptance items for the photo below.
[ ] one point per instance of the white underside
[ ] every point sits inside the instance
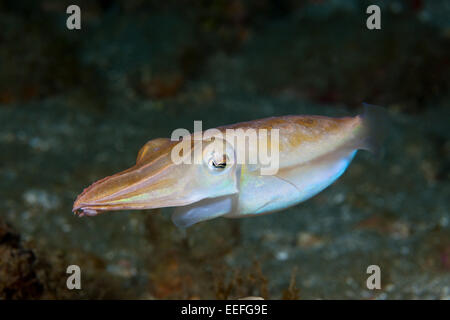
(265, 194)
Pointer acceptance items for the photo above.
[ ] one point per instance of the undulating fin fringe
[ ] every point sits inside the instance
(374, 128)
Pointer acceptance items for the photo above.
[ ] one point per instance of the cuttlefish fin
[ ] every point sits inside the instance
(152, 149)
(206, 209)
(373, 129)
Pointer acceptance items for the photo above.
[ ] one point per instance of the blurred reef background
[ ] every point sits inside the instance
(76, 106)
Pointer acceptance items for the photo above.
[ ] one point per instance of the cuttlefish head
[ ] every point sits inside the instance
(199, 171)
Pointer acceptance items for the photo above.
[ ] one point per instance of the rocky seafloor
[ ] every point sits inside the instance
(75, 108)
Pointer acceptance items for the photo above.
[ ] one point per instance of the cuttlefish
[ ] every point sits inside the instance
(313, 151)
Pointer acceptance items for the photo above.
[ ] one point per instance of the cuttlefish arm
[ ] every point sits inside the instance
(313, 152)
(207, 209)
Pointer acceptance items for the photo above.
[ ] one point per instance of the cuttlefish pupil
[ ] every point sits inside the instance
(313, 152)
(221, 164)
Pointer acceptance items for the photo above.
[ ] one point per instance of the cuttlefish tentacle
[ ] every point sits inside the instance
(314, 151)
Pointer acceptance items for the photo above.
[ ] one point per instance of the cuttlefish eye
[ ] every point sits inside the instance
(218, 157)
(218, 164)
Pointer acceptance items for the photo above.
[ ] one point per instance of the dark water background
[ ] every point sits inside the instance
(76, 106)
